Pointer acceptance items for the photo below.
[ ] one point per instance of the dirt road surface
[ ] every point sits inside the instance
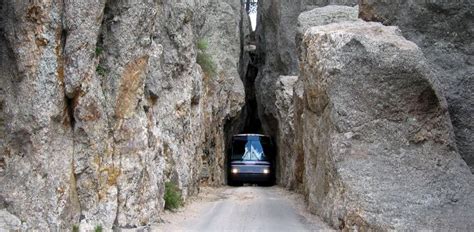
(243, 209)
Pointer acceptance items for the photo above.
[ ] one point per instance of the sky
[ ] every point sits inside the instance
(253, 20)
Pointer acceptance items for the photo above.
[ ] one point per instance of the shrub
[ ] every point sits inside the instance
(204, 59)
(98, 229)
(172, 196)
(75, 228)
(101, 70)
(202, 44)
(98, 51)
(206, 63)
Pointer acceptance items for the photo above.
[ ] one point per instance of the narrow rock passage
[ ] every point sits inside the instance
(243, 209)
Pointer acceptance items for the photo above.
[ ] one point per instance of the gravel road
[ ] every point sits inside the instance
(243, 209)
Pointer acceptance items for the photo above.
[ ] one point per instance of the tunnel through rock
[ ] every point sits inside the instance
(249, 121)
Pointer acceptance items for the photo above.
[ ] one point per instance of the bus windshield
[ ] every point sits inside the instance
(249, 150)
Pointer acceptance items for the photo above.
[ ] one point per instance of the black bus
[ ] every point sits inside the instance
(251, 160)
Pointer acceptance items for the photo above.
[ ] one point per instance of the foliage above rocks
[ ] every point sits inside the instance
(172, 196)
(204, 59)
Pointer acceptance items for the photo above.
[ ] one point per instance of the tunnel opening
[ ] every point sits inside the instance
(249, 121)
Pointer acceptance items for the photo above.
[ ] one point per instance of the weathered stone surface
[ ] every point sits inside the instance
(276, 119)
(322, 16)
(101, 102)
(8, 221)
(289, 104)
(223, 91)
(276, 32)
(298, 180)
(82, 23)
(379, 149)
(36, 142)
(310, 4)
(444, 30)
(130, 171)
(277, 52)
(326, 15)
(284, 104)
(291, 125)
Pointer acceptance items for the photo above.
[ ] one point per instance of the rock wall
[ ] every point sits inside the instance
(379, 149)
(223, 90)
(277, 56)
(444, 30)
(364, 131)
(103, 101)
(286, 129)
(293, 151)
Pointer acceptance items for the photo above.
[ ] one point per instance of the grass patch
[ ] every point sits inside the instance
(207, 63)
(172, 196)
(204, 59)
(98, 51)
(98, 229)
(202, 44)
(101, 70)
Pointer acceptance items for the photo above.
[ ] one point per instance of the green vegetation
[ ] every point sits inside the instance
(207, 64)
(98, 51)
(98, 228)
(204, 59)
(101, 70)
(172, 196)
(202, 44)
(75, 228)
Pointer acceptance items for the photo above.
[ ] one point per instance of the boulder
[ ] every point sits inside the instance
(322, 16)
(275, 93)
(277, 51)
(276, 32)
(445, 33)
(379, 148)
(326, 15)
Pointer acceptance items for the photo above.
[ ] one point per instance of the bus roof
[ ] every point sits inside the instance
(250, 135)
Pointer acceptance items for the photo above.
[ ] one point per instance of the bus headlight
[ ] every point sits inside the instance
(235, 170)
(266, 171)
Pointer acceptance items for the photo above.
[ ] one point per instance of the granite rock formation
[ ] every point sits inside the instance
(103, 101)
(444, 30)
(379, 146)
(364, 131)
(278, 56)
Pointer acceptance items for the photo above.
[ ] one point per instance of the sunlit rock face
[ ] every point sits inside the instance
(364, 129)
(103, 101)
(445, 33)
(277, 53)
(378, 143)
